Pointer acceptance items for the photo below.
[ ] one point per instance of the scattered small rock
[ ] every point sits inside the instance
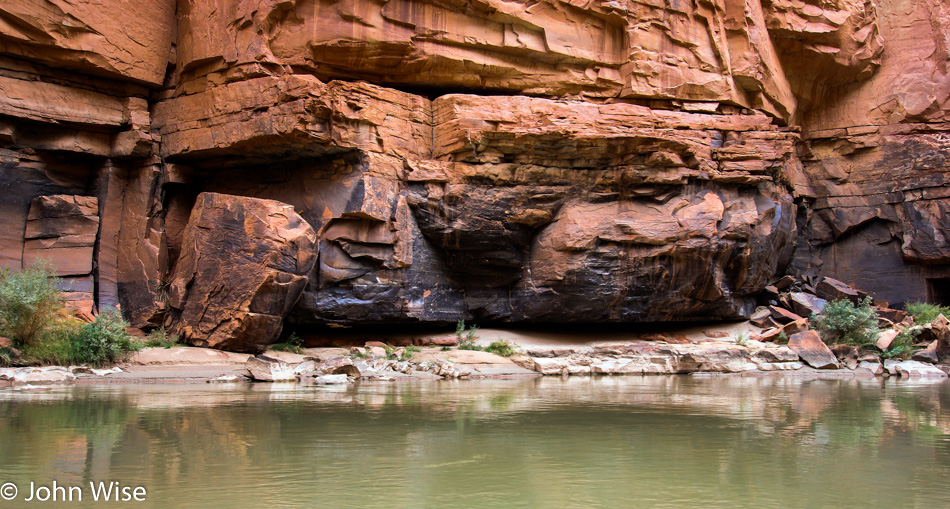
(328, 380)
(784, 283)
(782, 315)
(832, 289)
(915, 369)
(874, 367)
(266, 369)
(928, 354)
(760, 316)
(891, 315)
(806, 304)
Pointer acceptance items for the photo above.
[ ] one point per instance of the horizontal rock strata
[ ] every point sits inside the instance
(506, 162)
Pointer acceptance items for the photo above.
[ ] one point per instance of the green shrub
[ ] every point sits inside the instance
(293, 344)
(53, 347)
(160, 338)
(843, 322)
(903, 344)
(467, 340)
(742, 339)
(6, 356)
(30, 301)
(408, 352)
(501, 347)
(105, 341)
(925, 313)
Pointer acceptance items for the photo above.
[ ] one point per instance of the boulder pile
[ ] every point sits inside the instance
(793, 304)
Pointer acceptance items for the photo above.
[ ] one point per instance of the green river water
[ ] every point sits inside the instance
(664, 441)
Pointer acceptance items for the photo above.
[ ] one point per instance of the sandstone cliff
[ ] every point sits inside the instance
(534, 162)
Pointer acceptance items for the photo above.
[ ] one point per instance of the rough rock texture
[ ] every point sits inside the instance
(548, 161)
(698, 51)
(127, 40)
(61, 230)
(495, 206)
(809, 346)
(658, 358)
(243, 264)
(877, 160)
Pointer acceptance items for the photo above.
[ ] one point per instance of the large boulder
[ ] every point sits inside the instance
(243, 264)
(809, 346)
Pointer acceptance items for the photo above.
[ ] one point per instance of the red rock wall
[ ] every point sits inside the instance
(543, 162)
(877, 158)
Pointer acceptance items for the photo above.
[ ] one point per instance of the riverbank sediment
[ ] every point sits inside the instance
(701, 352)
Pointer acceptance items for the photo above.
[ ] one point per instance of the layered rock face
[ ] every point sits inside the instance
(503, 208)
(877, 160)
(533, 162)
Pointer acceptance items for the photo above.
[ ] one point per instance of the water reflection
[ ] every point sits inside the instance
(658, 441)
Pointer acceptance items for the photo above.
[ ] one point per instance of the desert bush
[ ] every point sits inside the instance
(6, 356)
(501, 347)
(160, 338)
(53, 346)
(408, 352)
(467, 339)
(104, 341)
(843, 322)
(30, 302)
(903, 344)
(293, 344)
(925, 313)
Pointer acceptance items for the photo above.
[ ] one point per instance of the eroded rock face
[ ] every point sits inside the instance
(877, 162)
(544, 161)
(698, 51)
(128, 41)
(498, 207)
(61, 232)
(243, 264)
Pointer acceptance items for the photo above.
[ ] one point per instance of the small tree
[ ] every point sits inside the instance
(29, 302)
(843, 322)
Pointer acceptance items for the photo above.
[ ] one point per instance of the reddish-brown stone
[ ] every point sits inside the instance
(783, 315)
(568, 162)
(809, 346)
(244, 263)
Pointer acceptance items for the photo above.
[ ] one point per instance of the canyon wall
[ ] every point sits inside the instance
(322, 163)
(877, 156)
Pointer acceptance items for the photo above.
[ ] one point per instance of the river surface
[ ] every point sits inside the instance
(665, 441)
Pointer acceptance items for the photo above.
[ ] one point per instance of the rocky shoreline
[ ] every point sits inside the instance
(734, 356)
